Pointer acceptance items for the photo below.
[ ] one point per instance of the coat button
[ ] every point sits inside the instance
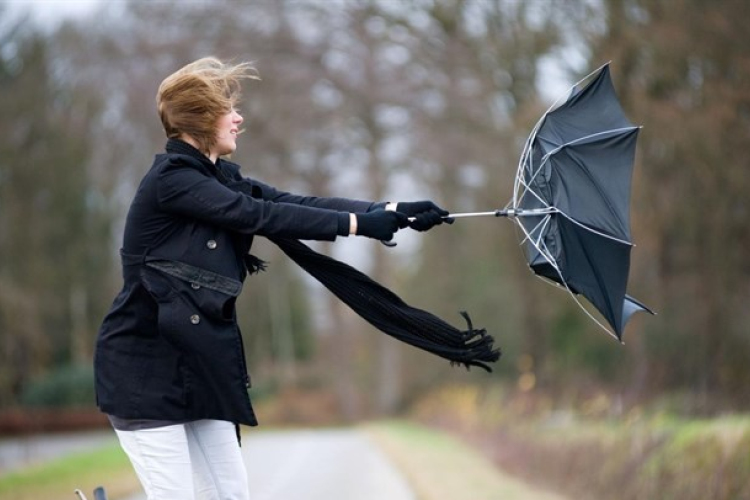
(211, 244)
(195, 286)
(195, 319)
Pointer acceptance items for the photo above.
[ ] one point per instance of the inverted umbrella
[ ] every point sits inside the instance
(571, 198)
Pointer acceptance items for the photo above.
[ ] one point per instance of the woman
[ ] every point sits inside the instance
(169, 364)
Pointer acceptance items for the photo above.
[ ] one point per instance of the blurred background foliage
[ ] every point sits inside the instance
(390, 100)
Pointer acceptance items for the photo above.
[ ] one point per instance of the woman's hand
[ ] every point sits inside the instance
(424, 214)
(380, 224)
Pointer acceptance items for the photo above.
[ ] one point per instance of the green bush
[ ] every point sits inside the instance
(66, 386)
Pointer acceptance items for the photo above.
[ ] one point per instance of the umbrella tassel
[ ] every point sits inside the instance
(479, 346)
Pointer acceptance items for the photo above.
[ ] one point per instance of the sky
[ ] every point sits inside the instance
(553, 83)
(50, 12)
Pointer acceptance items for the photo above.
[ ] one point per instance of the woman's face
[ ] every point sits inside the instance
(227, 129)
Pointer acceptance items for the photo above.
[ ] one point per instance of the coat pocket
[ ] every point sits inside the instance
(192, 314)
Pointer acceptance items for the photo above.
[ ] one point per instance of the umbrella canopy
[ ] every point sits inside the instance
(572, 194)
(571, 199)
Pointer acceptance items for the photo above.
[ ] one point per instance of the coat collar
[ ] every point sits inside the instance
(219, 169)
(176, 146)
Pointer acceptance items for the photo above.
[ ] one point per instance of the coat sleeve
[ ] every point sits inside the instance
(273, 194)
(343, 204)
(188, 189)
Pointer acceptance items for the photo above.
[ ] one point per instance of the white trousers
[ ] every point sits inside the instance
(166, 458)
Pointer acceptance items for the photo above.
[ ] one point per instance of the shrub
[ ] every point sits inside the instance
(66, 386)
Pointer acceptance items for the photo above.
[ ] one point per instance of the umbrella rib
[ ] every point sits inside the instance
(537, 126)
(567, 95)
(536, 195)
(528, 189)
(538, 229)
(592, 230)
(520, 180)
(591, 136)
(546, 158)
(544, 252)
(580, 305)
(522, 160)
(541, 247)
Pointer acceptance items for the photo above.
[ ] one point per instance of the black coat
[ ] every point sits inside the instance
(170, 347)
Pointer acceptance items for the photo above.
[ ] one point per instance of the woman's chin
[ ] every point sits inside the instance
(228, 150)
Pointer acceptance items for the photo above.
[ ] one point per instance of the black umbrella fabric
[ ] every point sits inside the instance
(571, 199)
(572, 196)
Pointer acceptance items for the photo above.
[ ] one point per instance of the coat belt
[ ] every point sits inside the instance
(186, 272)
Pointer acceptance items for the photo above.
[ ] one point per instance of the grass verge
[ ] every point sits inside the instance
(596, 450)
(108, 466)
(441, 467)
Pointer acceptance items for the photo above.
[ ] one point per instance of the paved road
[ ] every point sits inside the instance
(318, 465)
(19, 452)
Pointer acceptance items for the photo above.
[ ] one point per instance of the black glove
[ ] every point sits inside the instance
(427, 220)
(425, 214)
(412, 208)
(380, 224)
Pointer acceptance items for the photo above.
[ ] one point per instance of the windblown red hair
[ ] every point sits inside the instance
(191, 100)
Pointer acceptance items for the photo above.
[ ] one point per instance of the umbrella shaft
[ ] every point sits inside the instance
(509, 212)
(494, 213)
(517, 212)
